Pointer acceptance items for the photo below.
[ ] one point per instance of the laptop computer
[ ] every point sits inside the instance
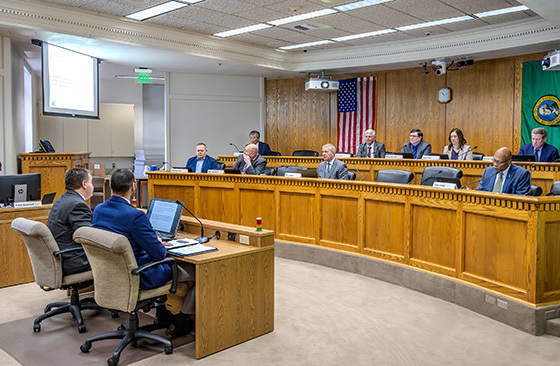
(164, 215)
(523, 158)
(455, 181)
(232, 171)
(48, 198)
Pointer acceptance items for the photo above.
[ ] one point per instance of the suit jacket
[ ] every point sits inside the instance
(209, 163)
(264, 149)
(423, 148)
(548, 152)
(518, 180)
(339, 170)
(117, 215)
(258, 165)
(464, 154)
(68, 213)
(378, 150)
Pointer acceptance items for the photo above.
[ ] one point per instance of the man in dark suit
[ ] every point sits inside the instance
(538, 147)
(417, 147)
(254, 138)
(331, 168)
(202, 161)
(119, 216)
(250, 162)
(371, 148)
(68, 213)
(505, 177)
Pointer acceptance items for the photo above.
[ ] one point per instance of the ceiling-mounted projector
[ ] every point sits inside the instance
(321, 84)
(551, 61)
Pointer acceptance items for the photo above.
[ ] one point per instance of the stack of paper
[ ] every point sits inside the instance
(139, 161)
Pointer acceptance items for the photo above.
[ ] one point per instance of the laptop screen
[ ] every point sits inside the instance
(164, 215)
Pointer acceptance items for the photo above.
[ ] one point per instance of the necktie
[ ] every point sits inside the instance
(369, 152)
(414, 151)
(537, 154)
(498, 183)
(328, 168)
(245, 169)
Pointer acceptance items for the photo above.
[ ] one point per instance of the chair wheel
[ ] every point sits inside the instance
(114, 314)
(81, 328)
(113, 361)
(36, 328)
(168, 350)
(85, 347)
(121, 327)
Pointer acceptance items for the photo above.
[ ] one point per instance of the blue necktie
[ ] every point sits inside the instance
(414, 151)
(537, 154)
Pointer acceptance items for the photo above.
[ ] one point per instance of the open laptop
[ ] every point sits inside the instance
(232, 171)
(164, 215)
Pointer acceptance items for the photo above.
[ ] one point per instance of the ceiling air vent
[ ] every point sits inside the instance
(304, 27)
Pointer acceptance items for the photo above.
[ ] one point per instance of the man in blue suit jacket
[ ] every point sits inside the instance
(202, 162)
(254, 138)
(539, 147)
(505, 177)
(119, 216)
(417, 146)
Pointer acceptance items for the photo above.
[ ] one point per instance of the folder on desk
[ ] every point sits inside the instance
(190, 250)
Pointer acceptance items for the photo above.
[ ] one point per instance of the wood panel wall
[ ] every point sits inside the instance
(485, 105)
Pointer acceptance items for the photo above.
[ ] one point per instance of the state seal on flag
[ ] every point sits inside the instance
(546, 110)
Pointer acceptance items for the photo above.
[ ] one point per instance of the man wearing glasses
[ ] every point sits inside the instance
(505, 177)
(417, 146)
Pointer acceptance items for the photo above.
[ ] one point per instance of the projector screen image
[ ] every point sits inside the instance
(70, 83)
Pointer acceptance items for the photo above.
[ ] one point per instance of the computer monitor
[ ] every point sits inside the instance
(164, 215)
(28, 188)
(523, 158)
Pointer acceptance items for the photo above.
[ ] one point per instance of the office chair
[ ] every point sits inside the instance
(117, 286)
(534, 191)
(221, 166)
(555, 189)
(269, 171)
(394, 176)
(430, 174)
(47, 269)
(275, 153)
(305, 153)
(477, 156)
(351, 175)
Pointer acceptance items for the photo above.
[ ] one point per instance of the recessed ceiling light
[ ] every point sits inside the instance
(304, 16)
(434, 23)
(360, 4)
(363, 35)
(501, 11)
(250, 28)
(310, 44)
(154, 11)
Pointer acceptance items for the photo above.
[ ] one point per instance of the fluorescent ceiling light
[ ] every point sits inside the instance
(310, 44)
(501, 11)
(250, 28)
(304, 16)
(360, 4)
(435, 22)
(363, 35)
(157, 10)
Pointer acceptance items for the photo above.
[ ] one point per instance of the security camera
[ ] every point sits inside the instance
(439, 66)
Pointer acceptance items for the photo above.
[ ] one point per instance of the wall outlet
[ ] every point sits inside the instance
(502, 304)
(244, 239)
(231, 236)
(490, 299)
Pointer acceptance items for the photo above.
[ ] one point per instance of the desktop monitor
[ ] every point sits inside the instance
(20, 187)
(164, 215)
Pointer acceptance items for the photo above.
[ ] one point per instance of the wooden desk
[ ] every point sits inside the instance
(503, 243)
(53, 167)
(544, 174)
(234, 287)
(15, 266)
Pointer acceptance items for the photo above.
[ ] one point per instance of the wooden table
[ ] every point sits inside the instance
(234, 286)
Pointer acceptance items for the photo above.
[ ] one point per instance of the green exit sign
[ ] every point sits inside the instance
(143, 78)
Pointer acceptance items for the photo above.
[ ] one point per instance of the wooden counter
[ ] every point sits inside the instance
(503, 243)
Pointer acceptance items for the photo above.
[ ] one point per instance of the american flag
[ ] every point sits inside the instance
(356, 111)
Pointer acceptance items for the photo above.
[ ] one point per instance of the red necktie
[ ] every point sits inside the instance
(369, 152)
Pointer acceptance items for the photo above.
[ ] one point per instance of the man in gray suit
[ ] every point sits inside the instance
(68, 213)
(417, 147)
(371, 148)
(250, 162)
(331, 168)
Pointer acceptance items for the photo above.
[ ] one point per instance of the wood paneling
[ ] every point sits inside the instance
(339, 225)
(384, 228)
(297, 216)
(256, 203)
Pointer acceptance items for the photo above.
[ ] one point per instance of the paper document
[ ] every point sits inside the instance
(179, 243)
(191, 250)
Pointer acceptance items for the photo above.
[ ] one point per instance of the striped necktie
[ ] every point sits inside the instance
(498, 183)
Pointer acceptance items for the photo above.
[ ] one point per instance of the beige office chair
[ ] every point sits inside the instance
(117, 286)
(47, 269)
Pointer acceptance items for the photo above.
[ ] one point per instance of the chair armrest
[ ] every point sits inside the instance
(168, 260)
(67, 250)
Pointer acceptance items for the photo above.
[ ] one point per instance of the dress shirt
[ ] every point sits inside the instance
(199, 163)
(505, 172)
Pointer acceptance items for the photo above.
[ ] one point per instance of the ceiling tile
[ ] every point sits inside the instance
(258, 40)
(260, 14)
(345, 22)
(287, 7)
(169, 20)
(426, 10)
(287, 35)
(508, 17)
(261, 2)
(204, 28)
(385, 16)
(111, 7)
(76, 3)
(392, 37)
(469, 24)
(421, 33)
(478, 6)
(226, 6)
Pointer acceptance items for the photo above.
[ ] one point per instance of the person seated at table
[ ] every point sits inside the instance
(538, 147)
(505, 177)
(331, 168)
(371, 148)
(202, 162)
(250, 162)
(457, 148)
(254, 138)
(417, 146)
(117, 215)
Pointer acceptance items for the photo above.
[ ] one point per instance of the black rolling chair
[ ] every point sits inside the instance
(477, 156)
(305, 153)
(534, 191)
(274, 153)
(394, 176)
(269, 171)
(351, 175)
(431, 173)
(221, 166)
(555, 189)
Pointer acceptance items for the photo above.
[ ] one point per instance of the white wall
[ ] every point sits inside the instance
(213, 109)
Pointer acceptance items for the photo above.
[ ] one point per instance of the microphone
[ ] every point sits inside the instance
(431, 176)
(232, 144)
(530, 178)
(480, 180)
(201, 239)
(466, 152)
(355, 167)
(168, 163)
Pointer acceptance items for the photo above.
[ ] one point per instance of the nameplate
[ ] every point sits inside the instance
(431, 157)
(215, 171)
(178, 170)
(487, 158)
(393, 156)
(292, 175)
(27, 204)
(343, 155)
(237, 153)
(444, 185)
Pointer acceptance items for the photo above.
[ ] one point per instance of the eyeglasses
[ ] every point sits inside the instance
(499, 162)
(411, 136)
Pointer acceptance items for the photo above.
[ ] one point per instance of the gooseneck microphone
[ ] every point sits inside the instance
(480, 180)
(201, 239)
(431, 176)
(466, 152)
(232, 144)
(355, 167)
